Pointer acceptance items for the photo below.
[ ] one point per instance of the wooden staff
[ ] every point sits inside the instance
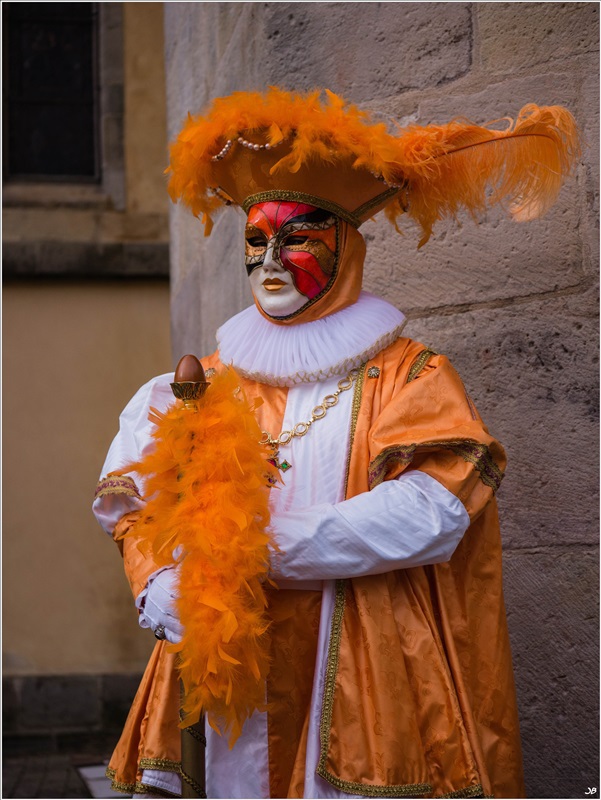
(189, 386)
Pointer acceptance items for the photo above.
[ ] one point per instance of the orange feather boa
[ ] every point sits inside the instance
(207, 511)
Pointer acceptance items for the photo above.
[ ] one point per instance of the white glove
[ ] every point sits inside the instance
(157, 605)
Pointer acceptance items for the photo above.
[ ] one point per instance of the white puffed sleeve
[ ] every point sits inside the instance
(116, 496)
(408, 522)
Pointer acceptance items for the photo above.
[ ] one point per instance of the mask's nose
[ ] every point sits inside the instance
(271, 261)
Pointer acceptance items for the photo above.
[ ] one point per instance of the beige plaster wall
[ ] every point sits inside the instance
(513, 306)
(73, 356)
(74, 353)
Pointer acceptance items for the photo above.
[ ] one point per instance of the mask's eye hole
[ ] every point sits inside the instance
(295, 240)
(256, 242)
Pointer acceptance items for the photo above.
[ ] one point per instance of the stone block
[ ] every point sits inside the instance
(493, 99)
(552, 599)
(365, 48)
(514, 36)
(532, 370)
(60, 702)
(468, 263)
(228, 54)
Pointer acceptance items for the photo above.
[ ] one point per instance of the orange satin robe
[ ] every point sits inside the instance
(419, 698)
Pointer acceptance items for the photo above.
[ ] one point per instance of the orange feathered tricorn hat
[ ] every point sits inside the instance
(250, 147)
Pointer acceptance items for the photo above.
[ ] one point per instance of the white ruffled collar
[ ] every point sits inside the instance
(286, 355)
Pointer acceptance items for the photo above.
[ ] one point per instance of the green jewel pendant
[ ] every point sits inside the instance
(281, 465)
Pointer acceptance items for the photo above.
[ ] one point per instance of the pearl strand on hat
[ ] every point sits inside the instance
(245, 143)
(392, 185)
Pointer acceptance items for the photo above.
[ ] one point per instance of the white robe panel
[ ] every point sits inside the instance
(315, 477)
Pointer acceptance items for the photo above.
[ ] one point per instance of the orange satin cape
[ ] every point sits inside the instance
(419, 696)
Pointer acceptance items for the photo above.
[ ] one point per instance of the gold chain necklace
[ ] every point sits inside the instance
(302, 428)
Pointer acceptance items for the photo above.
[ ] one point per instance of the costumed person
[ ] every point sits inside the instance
(389, 666)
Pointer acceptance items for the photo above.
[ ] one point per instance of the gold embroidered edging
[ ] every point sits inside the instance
(118, 786)
(369, 790)
(419, 363)
(364, 210)
(197, 788)
(336, 631)
(469, 791)
(301, 197)
(115, 484)
(331, 670)
(477, 454)
(148, 788)
(480, 457)
(142, 788)
(357, 395)
(165, 764)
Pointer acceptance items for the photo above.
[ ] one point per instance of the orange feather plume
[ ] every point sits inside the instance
(442, 168)
(465, 166)
(207, 511)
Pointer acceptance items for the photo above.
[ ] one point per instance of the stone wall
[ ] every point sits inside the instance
(513, 306)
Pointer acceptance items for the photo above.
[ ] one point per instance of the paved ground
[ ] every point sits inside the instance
(54, 776)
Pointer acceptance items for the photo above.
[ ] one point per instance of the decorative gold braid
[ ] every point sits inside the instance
(331, 670)
(301, 197)
(369, 790)
(199, 791)
(197, 735)
(117, 484)
(419, 363)
(124, 788)
(474, 452)
(142, 788)
(364, 210)
(148, 788)
(469, 791)
(357, 395)
(118, 786)
(165, 764)
(480, 457)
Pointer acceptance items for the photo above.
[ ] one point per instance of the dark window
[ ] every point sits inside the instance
(51, 91)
